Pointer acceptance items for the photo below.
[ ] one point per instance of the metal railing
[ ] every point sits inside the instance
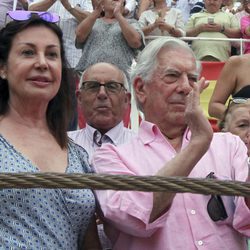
(239, 40)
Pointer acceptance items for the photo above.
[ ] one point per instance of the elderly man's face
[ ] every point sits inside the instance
(103, 109)
(163, 98)
(212, 6)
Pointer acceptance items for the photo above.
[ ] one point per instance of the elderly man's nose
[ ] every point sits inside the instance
(183, 85)
(102, 91)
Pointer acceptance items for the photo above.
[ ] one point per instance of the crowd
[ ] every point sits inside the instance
(59, 58)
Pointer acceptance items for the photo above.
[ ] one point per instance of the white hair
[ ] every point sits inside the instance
(147, 59)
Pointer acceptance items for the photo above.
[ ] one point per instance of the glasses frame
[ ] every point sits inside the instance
(105, 85)
(54, 18)
(216, 202)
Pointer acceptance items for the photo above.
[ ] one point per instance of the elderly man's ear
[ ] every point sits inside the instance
(139, 89)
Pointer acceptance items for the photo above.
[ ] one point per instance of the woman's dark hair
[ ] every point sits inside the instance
(59, 112)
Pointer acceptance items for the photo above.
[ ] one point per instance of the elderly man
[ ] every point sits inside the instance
(174, 140)
(212, 23)
(104, 99)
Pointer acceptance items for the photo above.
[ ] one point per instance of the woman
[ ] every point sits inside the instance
(233, 80)
(237, 120)
(111, 38)
(34, 115)
(162, 21)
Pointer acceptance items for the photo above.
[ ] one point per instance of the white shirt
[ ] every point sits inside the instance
(85, 137)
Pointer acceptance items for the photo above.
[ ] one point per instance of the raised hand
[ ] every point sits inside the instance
(118, 7)
(196, 120)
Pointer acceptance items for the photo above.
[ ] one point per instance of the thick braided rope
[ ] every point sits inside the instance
(125, 182)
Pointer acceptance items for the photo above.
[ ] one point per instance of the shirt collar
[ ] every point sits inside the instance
(149, 132)
(113, 133)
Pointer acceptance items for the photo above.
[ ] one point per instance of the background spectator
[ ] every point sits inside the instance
(162, 20)
(111, 38)
(212, 23)
(245, 25)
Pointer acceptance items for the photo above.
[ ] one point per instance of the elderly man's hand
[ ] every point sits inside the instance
(197, 122)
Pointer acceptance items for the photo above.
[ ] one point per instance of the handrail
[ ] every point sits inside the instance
(125, 182)
(240, 40)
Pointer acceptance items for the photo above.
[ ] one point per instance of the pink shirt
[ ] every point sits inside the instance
(244, 23)
(187, 224)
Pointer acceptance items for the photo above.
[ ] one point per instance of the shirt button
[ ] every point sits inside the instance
(193, 211)
(200, 242)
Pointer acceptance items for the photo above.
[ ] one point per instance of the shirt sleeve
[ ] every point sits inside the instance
(136, 25)
(127, 211)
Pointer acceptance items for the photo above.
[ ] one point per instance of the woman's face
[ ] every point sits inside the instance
(239, 124)
(34, 65)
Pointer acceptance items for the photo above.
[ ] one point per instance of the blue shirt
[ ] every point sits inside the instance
(43, 218)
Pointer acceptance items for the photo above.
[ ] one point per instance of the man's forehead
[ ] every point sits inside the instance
(179, 64)
(102, 73)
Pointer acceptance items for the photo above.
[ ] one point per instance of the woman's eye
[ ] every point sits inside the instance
(53, 54)
(28, 52)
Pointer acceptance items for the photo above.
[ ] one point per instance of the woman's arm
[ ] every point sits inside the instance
(41, 5)
(85, 27)
(131, 35)
(224, 87)
(75, 11)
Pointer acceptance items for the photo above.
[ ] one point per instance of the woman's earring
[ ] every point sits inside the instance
(3, 75)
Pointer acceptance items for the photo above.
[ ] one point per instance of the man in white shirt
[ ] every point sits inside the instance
(103, 107)
(104, 99)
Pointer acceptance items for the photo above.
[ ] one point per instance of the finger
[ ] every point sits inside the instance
(203, 84)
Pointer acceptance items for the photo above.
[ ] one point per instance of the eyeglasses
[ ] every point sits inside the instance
(22, 15)
(238, 100)
(230, 105)
(111, 87)
(215, 207)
